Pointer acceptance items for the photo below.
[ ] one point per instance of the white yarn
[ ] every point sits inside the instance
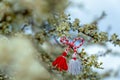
(74, 66)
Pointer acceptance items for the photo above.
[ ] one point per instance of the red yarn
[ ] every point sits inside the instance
(64, 53)
(60, 62)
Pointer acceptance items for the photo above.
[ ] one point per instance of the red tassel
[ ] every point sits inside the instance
(60, 62)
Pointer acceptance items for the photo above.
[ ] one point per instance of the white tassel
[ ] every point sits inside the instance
(74, 66)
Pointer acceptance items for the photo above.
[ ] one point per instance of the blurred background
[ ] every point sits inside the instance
(44, 21)
(89, 10)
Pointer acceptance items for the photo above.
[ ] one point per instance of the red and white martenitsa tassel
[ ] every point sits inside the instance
(60, 62)
(74, 66)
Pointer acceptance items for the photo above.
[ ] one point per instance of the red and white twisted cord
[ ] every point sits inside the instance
(72, 45)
